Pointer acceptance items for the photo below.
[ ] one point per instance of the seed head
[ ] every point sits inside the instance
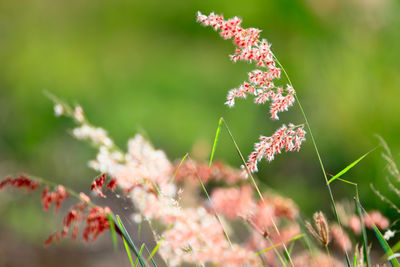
(321, 224)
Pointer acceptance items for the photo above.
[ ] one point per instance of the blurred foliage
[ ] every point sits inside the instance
(147, 65)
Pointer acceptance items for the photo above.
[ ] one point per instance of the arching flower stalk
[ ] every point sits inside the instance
(250, 48)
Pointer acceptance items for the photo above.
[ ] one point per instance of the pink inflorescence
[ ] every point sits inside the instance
(286, 138)
(95, 220)
(250, 48)
(373, 217)
(218, 172)
(340, 238)
(57, 196)
(260, 84)
(98, 183)
(21, 181)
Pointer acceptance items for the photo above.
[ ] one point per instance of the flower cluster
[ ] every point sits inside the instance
(96, 135)
(95, 219)
(199, 234)
(98, 183)
(340, 238)
(21, 181)
(260, 84)
(286, 138)
(373, 217)
(58, 196)
(218, 172)
(250, 48)
(260, 216)
(146, 174)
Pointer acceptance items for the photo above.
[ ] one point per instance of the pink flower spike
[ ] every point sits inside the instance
(285, 138)
(250, 48)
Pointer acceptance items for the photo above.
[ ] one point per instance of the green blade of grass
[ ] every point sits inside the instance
(363, 230)
(128, 251)
(140, 253)
(396, 247)
(113, 233)
(278, 245)
(349, 167)
(179, 166)
(355, 260)
(215, 141)
(396, 255)
(381, 240)
(151, 259)
(128, 242)
(154, 251)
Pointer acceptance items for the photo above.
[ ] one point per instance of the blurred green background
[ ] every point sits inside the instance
(147, 65)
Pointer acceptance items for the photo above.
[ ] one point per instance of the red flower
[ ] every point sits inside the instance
(57, 196)
(20, 182)
(96, 223)
(98, 183)
(112, 184)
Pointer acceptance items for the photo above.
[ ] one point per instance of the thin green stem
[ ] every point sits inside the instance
(328, 253)
(317, 152)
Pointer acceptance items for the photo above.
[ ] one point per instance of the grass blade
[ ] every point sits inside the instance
(278, 245)
(155, 249)
(140, 253)
(151, 259)
(396, 247)
(364, 231)
(215, 141)
(179, 166)
(355, 260)
(349, 167)
(396, 255)
(382, 241)
(113, 233)
(128, 251)
(128, 242)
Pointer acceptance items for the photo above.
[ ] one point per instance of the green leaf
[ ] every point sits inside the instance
(396, 255)
(349, 167)
(278, 245)
(151, 259)
(355, 260)
(129, 243)
(396, 247)
(215, 141)
(177, 169)
(140, 253)
(128, 251)
(112, 231)
(155, 249)
(382, 240)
